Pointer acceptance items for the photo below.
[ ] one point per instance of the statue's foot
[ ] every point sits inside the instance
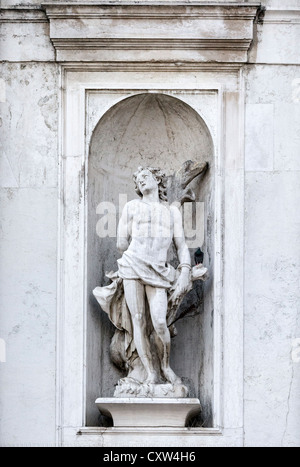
(151, 378)
(170, 376)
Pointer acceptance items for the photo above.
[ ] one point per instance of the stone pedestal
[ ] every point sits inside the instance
(148, 412)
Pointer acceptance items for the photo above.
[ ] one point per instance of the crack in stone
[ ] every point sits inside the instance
(288, 407)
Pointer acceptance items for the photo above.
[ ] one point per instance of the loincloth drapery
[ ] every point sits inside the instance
(112, 299)
(132, 266)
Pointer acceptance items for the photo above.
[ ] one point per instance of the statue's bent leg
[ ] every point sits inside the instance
(135, 299)
(158, 304)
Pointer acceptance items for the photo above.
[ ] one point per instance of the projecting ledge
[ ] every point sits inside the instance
(151, 31)
(147, 412)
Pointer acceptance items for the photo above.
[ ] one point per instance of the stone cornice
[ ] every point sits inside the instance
(114, 31)
(282, 16)
(22, 15)
(36, 14)
(151, 10)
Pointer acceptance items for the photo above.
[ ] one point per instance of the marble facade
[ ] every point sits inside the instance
(237, 67)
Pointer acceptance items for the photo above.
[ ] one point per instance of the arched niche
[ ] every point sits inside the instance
(148, 129)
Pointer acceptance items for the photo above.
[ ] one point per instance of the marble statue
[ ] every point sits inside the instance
(146, 291)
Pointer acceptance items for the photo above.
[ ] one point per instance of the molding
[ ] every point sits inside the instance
(38, 15)
(144, 66)
(284, 16)
(147, 437)
(150, 10)
(153, 55)
(228, 322)
(149, 430)
(54, 10)
(145, 44)
(193, 31)
(22, 15)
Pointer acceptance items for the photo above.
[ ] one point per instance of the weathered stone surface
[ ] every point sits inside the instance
(28, 180)
(271, 84)
(25, 41)
(277, 35)
(29, 126)
(29, 242)
(287, 135)
(24, 3)
(28, 315)
(259, 137)
(272, 256)
(271, 309)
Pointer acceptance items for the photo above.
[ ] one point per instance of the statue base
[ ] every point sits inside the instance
(128, 387)
(148, 412)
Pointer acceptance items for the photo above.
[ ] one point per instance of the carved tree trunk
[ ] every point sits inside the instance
(178, 190)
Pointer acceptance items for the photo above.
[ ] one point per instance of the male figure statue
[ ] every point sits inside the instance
(146, 291)
(146, 230)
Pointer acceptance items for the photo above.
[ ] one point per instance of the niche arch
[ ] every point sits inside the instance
(160, 130)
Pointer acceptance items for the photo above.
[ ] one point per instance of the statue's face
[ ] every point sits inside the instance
(146, 181)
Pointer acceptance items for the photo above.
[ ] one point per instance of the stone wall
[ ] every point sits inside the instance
(272, 251)
(29, 95)
(29, 200)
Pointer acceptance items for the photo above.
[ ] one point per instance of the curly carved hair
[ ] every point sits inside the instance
(159, 175)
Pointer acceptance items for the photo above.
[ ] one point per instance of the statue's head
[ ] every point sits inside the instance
(147, 178)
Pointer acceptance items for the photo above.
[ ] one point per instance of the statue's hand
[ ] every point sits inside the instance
(183, 285)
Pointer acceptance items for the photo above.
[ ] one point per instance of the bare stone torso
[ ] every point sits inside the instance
(151, 227)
